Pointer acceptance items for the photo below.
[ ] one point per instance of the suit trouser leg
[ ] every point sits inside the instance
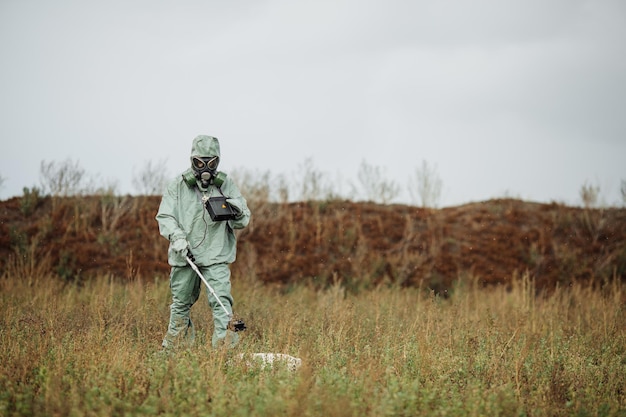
(185, 287)
(218, 277)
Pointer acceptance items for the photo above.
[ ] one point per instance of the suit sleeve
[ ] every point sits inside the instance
(232, 191)
(167, 216)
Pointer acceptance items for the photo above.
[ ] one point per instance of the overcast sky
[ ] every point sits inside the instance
(520, 98)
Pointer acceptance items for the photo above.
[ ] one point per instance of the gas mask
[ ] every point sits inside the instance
(204, 168)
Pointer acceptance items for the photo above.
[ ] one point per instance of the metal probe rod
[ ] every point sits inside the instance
(211, 290)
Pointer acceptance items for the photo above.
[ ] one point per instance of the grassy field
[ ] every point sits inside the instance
(94, 350)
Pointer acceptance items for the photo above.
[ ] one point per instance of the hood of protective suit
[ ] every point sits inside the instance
(205, 146)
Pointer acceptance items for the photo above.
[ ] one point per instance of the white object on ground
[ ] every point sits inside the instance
(271, 360)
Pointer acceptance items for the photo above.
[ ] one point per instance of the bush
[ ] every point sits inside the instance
(30, 200)
(151, 179)
(425, 187)
(374, 186)
(61, 179)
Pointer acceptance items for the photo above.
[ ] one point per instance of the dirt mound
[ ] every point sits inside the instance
(360, 244)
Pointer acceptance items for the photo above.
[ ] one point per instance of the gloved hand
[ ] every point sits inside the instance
(180, 246)
(236, 205)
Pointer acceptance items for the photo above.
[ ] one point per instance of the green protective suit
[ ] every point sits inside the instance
(182, 214)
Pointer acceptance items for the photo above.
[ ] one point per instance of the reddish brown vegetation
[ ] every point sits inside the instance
(360, 244)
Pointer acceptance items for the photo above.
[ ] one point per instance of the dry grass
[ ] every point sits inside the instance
(394, 310)
(365, 244)
(93, 349)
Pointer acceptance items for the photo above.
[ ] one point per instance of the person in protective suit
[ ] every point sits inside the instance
(184, 220)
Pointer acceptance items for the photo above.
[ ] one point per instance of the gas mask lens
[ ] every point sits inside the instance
(202, 163)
